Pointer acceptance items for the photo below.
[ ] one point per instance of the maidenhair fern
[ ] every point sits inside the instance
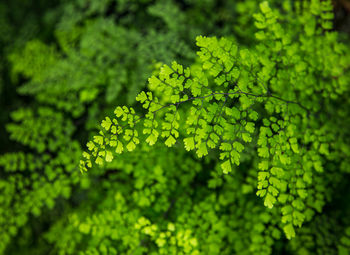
(242, 148)
(279, 98)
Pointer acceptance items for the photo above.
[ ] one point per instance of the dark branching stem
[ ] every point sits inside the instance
(225, 94)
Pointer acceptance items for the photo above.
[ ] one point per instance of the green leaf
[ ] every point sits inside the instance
(246, 137)
(289, 231)
(225, 147)
(131, 146)
(238, 146)
(264, 165)
(151, 139)
(118, 111)
(263, 175)
(261, 193)
(202, 150)
(99, 161)
(263, 152)
(170, 141)
(253, 115)
(141, 97)
(235, 156)
(226, 167)
(189, 143)
(106, 124)
(98, 139)
(269, 200)
(250, 127)
(120, 148)
(109, 156)
(90, 145)
(284, 159)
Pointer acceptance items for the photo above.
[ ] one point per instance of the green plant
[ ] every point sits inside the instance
(274, 108)
(254, 147)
